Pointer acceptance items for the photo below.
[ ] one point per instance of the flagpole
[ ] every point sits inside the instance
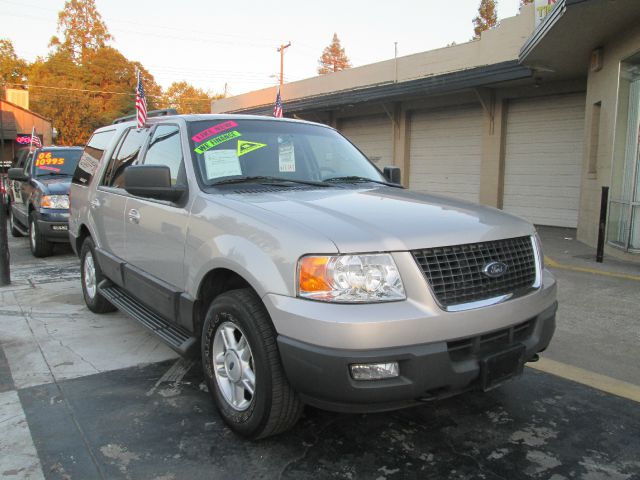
(33, 131)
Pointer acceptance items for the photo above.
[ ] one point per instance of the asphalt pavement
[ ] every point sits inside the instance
(86, 396)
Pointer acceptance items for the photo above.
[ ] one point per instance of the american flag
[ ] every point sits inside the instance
(35, 140)
(277, 109)
(141, 104)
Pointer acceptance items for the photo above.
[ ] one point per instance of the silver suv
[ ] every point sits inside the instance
(301, 273)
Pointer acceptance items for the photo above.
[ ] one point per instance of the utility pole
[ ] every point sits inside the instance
(281, 50)
(5, 272)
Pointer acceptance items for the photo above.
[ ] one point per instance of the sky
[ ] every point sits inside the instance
(210, 43)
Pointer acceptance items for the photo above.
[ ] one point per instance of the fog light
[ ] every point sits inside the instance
(374, 371)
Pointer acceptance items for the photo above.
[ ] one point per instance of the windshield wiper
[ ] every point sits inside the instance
(268, 179)
(354, 178)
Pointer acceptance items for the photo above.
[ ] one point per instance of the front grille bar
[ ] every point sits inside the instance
(455, 273)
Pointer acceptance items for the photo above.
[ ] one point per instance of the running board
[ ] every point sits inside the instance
(175, 336)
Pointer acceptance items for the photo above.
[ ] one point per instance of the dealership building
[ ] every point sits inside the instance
(17, 123)
(534, 118)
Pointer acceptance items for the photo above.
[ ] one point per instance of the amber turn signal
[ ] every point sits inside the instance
(313, 274)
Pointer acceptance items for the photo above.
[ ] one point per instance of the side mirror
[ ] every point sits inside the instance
(392, 174)
(17, 174)
(152, 181)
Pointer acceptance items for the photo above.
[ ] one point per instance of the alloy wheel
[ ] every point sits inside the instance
(233, 366)
(89, 275)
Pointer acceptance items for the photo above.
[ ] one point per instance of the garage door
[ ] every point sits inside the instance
(446, 150)
(372, 135)
(543, 159)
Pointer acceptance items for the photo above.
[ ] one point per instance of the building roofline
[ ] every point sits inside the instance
(26, 110)
(547, 24)
(389, 91)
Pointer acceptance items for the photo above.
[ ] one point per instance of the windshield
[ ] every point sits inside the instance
(236, 149)
(56, 162)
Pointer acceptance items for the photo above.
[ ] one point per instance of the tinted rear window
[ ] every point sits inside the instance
(55, 162)
(91, 157)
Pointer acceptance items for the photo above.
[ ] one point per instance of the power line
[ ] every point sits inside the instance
(87, 90)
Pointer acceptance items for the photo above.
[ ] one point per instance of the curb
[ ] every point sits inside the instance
(549, 262)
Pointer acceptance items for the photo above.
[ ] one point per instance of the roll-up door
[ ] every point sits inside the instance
(543, 159)
(446, 151)
(372, 135)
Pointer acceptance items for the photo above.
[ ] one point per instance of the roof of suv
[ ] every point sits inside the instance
(193, 117)
(59, 147)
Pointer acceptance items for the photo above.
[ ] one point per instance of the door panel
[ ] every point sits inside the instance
(155, 239)
(372, 135)
(107, 210)
(543, 159)
(446, 151)
(156, 231)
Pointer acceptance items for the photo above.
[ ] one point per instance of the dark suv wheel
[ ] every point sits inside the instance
(12, 225)
(40, 246)
(243, 369)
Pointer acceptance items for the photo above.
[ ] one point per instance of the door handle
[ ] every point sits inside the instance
(134, 216)
(95, 203)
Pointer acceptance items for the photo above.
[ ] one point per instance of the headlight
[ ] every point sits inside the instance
(55, 201)
(350, 278)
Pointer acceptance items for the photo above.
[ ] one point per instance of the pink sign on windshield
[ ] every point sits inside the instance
(221, 127)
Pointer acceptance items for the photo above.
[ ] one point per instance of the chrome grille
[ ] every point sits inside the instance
(455, 273)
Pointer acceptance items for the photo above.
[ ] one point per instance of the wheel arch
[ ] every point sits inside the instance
(215, 282)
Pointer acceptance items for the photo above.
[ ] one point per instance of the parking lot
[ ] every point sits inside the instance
(86, 396)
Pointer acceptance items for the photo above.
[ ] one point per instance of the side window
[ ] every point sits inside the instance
(91, 157)
(28, 161)
(124, 156)
(165, 148)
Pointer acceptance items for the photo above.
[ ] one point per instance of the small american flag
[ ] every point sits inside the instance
(277, 109)
(35, 140)
(141, 104)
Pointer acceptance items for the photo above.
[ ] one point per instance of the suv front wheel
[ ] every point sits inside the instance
(243, 369)
(40, 246)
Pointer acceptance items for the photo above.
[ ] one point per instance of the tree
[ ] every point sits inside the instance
(333, 58)
(487, 17)
(81, 98)
(12, 68)
(82, 28)
(188, 99)
(525, 2)
(59, 96)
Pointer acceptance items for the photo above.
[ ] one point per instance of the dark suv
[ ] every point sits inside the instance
(39, 193)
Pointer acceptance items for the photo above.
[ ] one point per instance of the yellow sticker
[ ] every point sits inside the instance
(246, 147)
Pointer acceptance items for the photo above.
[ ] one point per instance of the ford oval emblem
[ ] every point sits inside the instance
(495, 269)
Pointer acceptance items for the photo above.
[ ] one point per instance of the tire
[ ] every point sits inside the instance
(12, 225)
(90, 277)
(274, 406)
(40, 246)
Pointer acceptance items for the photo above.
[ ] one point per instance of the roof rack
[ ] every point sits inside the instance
(153, 113)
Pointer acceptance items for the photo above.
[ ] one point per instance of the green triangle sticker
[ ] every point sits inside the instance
(245, 147)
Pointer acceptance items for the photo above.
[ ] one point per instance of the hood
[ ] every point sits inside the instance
(55, 185)
(387, 219)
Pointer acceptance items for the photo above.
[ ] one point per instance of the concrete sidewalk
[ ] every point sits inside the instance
(561, 249)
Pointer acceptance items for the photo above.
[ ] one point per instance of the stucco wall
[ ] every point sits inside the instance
(602, 87)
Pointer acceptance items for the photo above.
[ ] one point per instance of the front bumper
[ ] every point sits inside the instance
(54, 224)
(427, 371)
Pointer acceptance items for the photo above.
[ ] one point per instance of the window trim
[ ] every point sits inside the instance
(116, 152)
(143, 154)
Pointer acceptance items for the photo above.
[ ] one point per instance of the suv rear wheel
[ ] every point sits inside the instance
(40, 247)
(91, 276)
(243, 369)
